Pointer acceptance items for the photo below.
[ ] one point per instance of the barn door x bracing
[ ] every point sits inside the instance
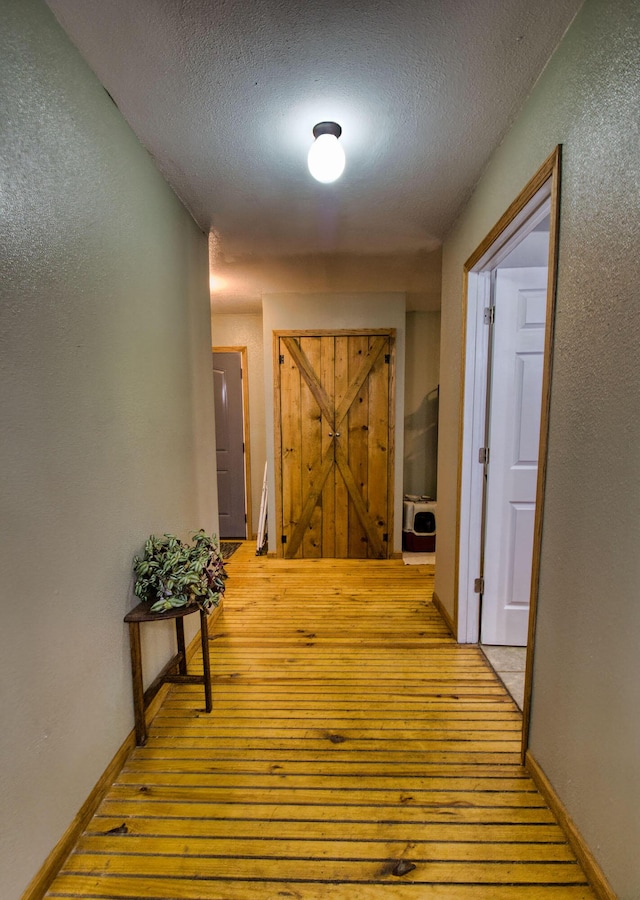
(334, 444)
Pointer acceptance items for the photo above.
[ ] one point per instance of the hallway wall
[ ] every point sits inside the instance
(585, 727)
(422, 376)
(106, 407)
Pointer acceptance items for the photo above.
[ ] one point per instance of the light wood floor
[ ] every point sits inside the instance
(354, 751)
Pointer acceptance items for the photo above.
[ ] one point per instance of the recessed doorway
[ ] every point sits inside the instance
(231, 400)
(509, 313)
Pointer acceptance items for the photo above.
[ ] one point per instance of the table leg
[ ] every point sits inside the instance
(182, 667)
(136, 679)
(206, 667)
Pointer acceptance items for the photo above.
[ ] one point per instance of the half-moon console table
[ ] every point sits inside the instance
(168, 675)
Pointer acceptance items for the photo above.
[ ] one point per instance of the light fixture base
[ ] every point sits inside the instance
(327, 128)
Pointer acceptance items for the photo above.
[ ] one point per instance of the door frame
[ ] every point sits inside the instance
(246, 431)
(479, 354)
(543, 187)
(277, 430)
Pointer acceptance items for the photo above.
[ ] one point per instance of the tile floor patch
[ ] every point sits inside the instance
(509, 664)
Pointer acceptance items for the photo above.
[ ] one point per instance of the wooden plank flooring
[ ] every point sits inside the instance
(354, 751)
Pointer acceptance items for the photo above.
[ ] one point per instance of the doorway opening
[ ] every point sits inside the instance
(509, 312)
(334, 451)
(233, 467)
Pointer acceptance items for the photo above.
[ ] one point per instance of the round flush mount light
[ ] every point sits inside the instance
(326, 157)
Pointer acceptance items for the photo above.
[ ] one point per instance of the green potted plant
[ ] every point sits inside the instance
(174, 573)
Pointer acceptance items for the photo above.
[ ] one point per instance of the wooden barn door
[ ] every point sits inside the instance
(334, 444)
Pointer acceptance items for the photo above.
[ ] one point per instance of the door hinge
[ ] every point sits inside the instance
(281, 358)
(489, 315)
(284, 539)
(478, 585)
(483, 456)
(387, 358)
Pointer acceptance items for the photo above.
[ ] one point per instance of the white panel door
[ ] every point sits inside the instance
(514, 436)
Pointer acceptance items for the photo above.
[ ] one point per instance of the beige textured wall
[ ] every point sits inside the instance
(422, 375)
(246, 331)
(107, 422)
(585, 729)
(244, 280)
(336, 311)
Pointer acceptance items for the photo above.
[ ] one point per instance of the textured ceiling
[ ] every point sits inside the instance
(225, 93)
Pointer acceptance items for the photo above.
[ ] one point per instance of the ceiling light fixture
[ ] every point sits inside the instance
(326, 156)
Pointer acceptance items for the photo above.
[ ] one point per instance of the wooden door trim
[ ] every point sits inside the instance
(246, 430)
(339, 332)
(549, 171)
(277, 440)
(552, 281)
(389, 333)
(391, 456)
